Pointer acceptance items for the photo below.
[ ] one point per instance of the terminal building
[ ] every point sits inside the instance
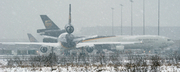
(19, 49)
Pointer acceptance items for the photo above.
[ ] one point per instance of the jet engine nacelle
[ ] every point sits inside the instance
(69, 29)
(44, 49)
(89, 49)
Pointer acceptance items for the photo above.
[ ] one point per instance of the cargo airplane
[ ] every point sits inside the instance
(67, 41)
(148, 42)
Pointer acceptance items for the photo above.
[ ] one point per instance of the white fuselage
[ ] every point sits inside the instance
(148, 41)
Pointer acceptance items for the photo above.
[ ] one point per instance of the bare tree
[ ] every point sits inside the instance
(155, 63)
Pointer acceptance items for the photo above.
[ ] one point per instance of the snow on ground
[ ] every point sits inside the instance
(90, 68)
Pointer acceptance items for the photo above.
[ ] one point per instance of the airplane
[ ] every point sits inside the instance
(149, 42)
(67, 41)
(51, 28)
(54, 31)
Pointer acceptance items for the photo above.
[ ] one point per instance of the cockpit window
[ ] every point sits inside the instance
(168, 39)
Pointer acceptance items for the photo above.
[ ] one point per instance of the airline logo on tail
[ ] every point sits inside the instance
(31, 38)
(48, 24)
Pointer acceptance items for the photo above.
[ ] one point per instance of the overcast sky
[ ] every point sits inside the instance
(19, 17)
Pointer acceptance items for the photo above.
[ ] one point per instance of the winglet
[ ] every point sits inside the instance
(31, 38)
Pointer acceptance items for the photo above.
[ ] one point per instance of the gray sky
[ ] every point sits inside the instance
(19, 17)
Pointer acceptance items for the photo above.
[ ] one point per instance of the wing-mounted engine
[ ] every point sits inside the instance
(89, 49)
(43, 49)
(46, 50)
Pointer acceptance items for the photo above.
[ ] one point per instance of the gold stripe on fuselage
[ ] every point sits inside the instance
(65, 47)
(97, 38)
(89, 40)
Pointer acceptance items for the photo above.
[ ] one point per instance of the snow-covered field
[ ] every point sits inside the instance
(92, 64)
(90, 68)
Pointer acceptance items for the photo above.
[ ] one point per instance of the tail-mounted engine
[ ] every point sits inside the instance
(69, 29)
(66, 39)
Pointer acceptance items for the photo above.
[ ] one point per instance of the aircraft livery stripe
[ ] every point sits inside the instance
(98, 38)
(64, 46)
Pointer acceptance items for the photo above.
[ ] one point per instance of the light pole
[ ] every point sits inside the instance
(158, 16)
(131, 18)
(143, 17)
(112, 22)
(121, 18)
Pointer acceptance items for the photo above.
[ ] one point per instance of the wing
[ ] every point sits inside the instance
(30, 43)
(91, 44)
(84, 38)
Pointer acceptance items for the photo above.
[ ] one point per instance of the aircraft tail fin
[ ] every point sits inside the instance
(31, 38)
(48, 23)
(70, 14)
